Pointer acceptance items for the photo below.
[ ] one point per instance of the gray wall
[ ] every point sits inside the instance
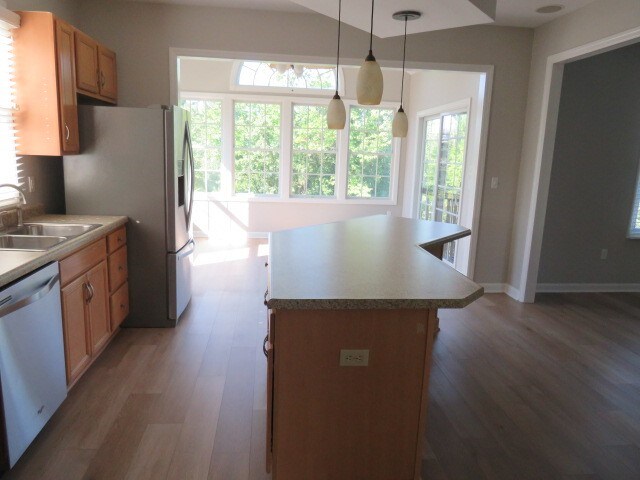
(590, 23)
(593, 176)
(142, 33)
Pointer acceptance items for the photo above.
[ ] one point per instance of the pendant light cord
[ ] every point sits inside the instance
(404, 53)
(338, 54)
(371, 32)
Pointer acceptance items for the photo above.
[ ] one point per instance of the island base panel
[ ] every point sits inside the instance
(332, 421)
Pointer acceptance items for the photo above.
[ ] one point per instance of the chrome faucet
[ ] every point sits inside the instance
(24, 200)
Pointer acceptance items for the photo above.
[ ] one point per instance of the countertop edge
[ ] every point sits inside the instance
(62, 250)
(372, 303)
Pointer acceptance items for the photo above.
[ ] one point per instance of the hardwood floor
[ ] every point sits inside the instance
(543, 391)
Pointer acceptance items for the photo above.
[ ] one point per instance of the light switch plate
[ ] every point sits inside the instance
(354, 358)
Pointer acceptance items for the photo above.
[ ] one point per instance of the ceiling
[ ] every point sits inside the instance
(517, 13)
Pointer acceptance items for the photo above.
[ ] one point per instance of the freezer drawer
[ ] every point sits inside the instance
(179, 267)
(32, 368)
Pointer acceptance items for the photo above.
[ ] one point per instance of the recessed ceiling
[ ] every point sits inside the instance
(516, 13)
(436, 14)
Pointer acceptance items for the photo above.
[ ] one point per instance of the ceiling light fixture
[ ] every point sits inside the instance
(400, 125)
(550, 9)
(336, 113)
(370, 83)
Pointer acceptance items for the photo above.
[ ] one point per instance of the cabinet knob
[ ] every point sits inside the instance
(120, 267)
(122, 306)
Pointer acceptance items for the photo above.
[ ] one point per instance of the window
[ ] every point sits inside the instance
(8, 158)
(444, 147)
(206, 134)
(313, 166)
(257, 148)
(634, 227)
(299, 76)
(370, 152)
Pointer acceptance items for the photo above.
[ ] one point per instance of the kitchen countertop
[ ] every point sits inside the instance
(14, 263)
(376, 262)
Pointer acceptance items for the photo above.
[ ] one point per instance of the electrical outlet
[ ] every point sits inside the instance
(494, 182)
(604, 253)
(354, 358)
(31, 182)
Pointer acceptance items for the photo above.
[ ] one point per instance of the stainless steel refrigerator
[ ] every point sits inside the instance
(138, 162)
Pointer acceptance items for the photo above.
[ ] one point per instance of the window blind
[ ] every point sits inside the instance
(8, 158)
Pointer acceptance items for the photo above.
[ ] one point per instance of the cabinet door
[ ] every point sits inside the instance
(269, 353)
(86, 63)
(98, 306)
(66, 88)
(108, 77)
(76, 334)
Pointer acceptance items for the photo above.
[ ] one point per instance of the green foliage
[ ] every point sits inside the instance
(370, 152)
(313, 163)
(257, 148)
(206, 136)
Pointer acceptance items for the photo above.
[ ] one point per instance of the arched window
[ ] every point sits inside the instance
(286, 75)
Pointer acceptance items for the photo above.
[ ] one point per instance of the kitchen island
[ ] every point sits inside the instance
(352, 316)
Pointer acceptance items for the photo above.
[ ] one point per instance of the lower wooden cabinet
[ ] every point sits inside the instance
(95, 301)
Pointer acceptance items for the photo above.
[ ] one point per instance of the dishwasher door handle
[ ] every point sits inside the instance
(30, 298)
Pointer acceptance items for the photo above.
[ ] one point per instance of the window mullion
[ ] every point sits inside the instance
(286, 148)
(342, 159)
(226, 180)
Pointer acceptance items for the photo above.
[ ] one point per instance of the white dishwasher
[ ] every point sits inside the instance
(32, 369)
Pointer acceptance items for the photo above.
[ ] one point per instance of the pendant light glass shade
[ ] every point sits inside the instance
(400, 125)
(370, 83)
(336, 113)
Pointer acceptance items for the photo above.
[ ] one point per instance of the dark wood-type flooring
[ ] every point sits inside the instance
(543, 391)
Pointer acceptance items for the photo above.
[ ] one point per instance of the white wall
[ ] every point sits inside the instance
(593, 22)
(142, 33)
(430, 90)
(593, 177)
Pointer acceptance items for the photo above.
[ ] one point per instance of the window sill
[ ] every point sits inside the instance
(299, 200)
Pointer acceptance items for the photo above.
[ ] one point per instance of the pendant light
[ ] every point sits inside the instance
(336, 114)
(370, 84)
(400, 125)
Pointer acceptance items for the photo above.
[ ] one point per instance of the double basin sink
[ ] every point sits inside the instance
(40, 237)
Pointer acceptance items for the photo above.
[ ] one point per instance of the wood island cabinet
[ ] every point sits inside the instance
(56, 67)
(95, 301)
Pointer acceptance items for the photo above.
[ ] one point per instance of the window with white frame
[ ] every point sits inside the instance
(8, 157)
(314, 153)
(634, 227)
(206, 134)
(284, 75)
(278, 148)
(370, 152)
(256, 148)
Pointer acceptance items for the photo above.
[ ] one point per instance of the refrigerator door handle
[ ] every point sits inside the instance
(187, 251)
(188, 149)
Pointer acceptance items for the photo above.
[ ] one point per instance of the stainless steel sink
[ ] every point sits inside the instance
(68, 230)
(32, 243)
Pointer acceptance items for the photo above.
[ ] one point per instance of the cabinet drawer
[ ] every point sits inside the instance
(79, 262)
(119, 306)
(116, 239)
(117, 268)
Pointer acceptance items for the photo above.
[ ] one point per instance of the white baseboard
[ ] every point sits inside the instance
(587, 287)
(502, 288)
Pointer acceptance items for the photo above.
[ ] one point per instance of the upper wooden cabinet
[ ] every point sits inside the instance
(57, 66)
(47, 117)
(95, 69)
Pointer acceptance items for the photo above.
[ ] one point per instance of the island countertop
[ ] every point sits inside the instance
(376, 262)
